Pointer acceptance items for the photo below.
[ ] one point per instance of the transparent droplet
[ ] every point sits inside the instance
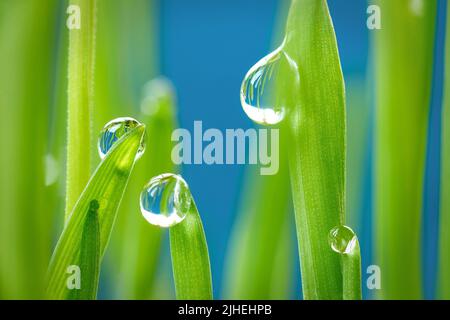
(258, 92)
(165, 200)
(113, 131)
(342, 239)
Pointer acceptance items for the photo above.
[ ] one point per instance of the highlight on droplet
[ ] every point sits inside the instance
(342, 239)
(113, 131)
(165, 200)
(258, 94)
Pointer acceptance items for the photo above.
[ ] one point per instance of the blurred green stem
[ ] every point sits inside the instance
(262, 234)
(403, 51)
(80, 101)
(444, 241)
(140, 242)
(27, 33)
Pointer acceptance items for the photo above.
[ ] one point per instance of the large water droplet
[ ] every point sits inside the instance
(258, 93)
(342, 239)
(113, 131)
(165, 200)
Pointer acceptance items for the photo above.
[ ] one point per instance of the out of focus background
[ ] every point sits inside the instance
(198, 51)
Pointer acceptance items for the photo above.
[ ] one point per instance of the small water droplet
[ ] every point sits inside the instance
(165, 200)
(257, 90)
(113, 131)
(342, 239)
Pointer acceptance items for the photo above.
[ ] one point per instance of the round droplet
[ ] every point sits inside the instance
(113, 131)
(165, 200)
(258, 98)
(342, 239)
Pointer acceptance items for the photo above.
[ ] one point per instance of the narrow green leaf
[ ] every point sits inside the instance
(140, 242)
(190, 258)
(261, 234)
(314, 90)
(351, 274)
(403, 53)
(444, 237)
(80, 101)
(27, 33)
(106, 186)
(89, 256)
(259, 260)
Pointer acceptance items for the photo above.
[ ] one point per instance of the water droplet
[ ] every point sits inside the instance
(342, 239)
(257, 98)
(165, 200)
(113, 131)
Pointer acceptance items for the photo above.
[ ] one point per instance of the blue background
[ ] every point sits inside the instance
(206, 47)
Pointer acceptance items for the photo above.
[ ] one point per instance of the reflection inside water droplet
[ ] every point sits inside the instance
(342, 239)
(165, 200)
(259, 97)
(113, 131)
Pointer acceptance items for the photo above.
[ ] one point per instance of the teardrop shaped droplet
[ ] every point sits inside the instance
(113, 131)
(165, 200)
(342, 239)
(258, 98)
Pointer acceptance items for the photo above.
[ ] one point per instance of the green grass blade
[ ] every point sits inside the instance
(140, 242)
(80, 102)
(128, 34)
(190, 258)
(27, 33)
(261, 234)
(259, 259)
(351, 274)
(89, 256)
(317, 125)
(403, 53)
(106, 186)
(444, 237)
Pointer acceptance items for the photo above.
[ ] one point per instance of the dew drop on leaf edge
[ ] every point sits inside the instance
(342, 239)
(165, 200)
(113, 131)
(258, 95)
